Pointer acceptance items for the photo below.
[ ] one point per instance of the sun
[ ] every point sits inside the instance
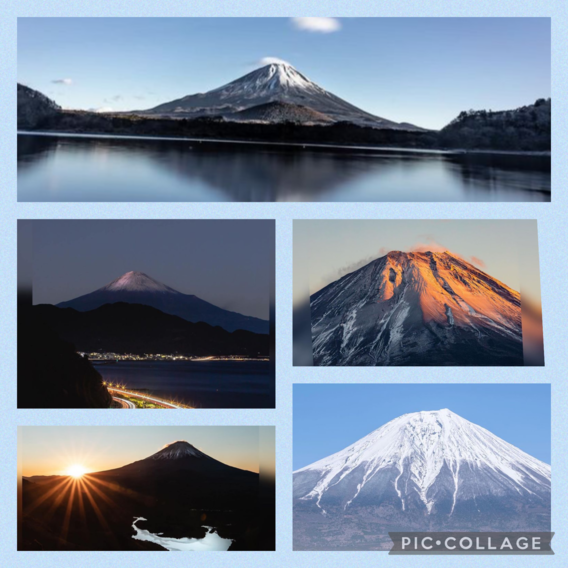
(76, 471)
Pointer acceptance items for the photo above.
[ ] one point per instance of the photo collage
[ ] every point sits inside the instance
(329, 244)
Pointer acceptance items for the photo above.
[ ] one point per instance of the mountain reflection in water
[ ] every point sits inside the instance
(52, 168)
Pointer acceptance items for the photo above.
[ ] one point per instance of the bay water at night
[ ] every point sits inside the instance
(201, 384)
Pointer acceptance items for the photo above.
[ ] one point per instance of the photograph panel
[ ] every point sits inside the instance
(273, 109)
(417, 293)
(372, 459)
(194, 488)
(192, 326)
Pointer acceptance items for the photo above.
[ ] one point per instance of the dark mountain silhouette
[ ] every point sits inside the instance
(182, 470)
(138, 329)
(179, 490)
(51, 374)
(524, 128)
(34, 107)
(139, 288)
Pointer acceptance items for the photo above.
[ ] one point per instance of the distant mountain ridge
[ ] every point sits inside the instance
(138, 329)
(280, 104)
(139, 288)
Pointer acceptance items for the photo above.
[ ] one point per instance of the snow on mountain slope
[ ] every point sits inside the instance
(268, 79)
(417, 448)
(139, 288)
(424, 471)
(176, 450)
(277, 82)
(417, 308)
(135, 282)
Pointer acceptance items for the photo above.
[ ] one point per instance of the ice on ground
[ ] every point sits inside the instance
(211, 541)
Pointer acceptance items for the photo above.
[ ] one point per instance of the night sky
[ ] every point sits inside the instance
(227, 263)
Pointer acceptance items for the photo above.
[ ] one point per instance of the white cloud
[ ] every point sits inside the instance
(318, 25)
(63, 81)
(101, 109)
(270, 60)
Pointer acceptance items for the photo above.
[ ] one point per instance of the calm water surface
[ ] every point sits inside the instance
(52, 168)
(204, 384)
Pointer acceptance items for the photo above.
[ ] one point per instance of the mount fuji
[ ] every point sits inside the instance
(181, 460)
(283, 89)
(417, 308)
(425, 471)
(139, 288)
(178, 491)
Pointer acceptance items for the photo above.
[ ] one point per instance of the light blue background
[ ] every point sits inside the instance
(553, 246)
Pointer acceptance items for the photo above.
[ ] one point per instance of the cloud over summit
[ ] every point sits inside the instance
(269, 60)
(317, 25)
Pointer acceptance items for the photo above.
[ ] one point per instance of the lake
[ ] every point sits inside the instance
(203, 384)
(102, 168)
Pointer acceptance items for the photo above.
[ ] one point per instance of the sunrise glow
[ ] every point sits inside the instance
(76, 471)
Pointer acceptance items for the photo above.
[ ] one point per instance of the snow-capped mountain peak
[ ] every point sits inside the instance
(416, 308)
(137, 282)
(177, 450)
(139, 288)
(423, 471)
(269, 80)
(423, 449)
(273, 83)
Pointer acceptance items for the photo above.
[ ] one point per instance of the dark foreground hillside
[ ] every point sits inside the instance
(34, 108)
(526, 128)
(51, 374)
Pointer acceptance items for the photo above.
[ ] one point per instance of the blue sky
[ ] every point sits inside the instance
(328, 418)
(419, 70)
